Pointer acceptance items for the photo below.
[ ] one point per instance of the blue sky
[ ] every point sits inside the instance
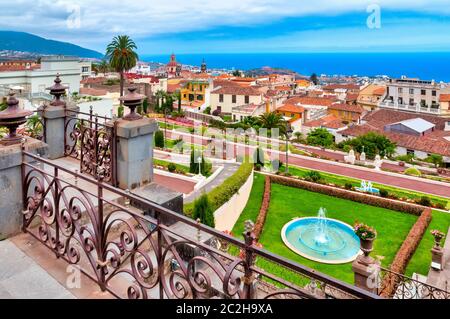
(211, 26)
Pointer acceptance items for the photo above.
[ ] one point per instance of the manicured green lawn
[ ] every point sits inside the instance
(251, 211)
(288, 203)
(421, 261)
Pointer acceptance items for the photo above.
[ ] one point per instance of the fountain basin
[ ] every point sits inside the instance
(339, 245)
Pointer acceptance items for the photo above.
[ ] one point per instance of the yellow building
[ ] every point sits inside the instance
(194, 91)
(444, 100)
(371, 96)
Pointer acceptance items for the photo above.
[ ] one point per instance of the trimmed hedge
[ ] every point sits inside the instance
(406, 252)
(353, 196)
(223, 193)
(259, 226)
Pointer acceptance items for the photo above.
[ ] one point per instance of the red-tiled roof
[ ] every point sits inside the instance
(291, 109)
(93, 80)
(349, 86)
(93, 92)
(433, 142)
(380, 91)
(237, 90)
(445, 98)
(329, 121)
(306, 100)
(347, 107)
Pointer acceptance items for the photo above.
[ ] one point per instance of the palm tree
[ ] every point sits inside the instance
(177, 96)
(122, 56)
(103, 66)
(273, 121)
(160, 95)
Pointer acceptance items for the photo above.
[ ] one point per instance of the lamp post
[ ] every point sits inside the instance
(199, 159)
(288, 136)
(165, 127)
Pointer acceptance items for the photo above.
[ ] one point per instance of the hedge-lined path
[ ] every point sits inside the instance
(386, 178)
(228, 171)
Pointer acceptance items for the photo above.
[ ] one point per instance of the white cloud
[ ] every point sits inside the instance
(101, 19)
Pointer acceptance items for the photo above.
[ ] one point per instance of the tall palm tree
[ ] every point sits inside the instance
(122, 56)
(273, 121)
(177, 97)
(160, 95)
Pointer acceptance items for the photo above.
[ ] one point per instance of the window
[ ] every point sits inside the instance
(85, 69)
(400, 100)
(411, 102)
(433, 93)
(233, 99)
(423, 92)
(247, 99)
(409, 152)
(400, 90)
(221, 98)
(411, 91)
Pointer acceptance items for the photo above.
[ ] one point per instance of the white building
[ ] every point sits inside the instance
(33, 82)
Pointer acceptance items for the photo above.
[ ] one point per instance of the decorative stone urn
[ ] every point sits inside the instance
(367, 246)
(438, 236)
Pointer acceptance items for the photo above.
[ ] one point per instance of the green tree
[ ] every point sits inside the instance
(273, 121)
(145, 105)
(203, 211)
(159, 139)
(176, 96)
(102, 67)
(237, 73)
(372, 143)
(435, 159)
(122, 56)
(194, 165)
(320, 137)
(314, 79)
(160, 95)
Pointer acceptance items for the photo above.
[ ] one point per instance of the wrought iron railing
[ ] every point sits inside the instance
(397, 286)
(153, 252)
(92, 140)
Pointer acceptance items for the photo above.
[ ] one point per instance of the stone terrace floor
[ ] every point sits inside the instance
(28, 270)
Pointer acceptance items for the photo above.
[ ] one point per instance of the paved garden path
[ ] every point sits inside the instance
(228, 170)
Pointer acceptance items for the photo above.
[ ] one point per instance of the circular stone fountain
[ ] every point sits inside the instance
(322, 239)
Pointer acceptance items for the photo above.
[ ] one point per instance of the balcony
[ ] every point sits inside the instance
(417, 108)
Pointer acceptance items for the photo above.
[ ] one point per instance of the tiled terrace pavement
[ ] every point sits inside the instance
(22, 277)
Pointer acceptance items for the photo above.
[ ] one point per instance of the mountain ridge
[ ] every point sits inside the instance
(27, 42)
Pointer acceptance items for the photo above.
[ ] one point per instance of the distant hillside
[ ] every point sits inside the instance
(26, 42)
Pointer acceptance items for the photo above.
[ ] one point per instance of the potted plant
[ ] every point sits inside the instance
(438, 236)
(367, 235)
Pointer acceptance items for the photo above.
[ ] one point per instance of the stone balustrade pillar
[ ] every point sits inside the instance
(134, 145)
(135, 152)
(55, 118)
(11, 188)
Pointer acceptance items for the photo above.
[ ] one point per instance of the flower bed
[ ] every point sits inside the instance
(259, 226)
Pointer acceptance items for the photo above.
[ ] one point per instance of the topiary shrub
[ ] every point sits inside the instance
(172, 167)
(203, 211)
(424, 201)
(384, 193)
(348, 186)
(313, 176)
(159, 139)
(412, 171)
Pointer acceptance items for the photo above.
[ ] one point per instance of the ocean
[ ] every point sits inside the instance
(427, 66)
